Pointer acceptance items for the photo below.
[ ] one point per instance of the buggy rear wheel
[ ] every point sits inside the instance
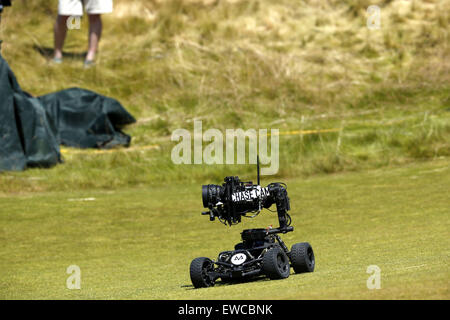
(302, 258)
(275, 264)
(199, 270)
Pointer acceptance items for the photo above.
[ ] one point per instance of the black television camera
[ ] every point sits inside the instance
(235, 199)
(261, 252)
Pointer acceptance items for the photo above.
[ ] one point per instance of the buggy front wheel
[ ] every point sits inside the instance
(200, 272)
(275, 263)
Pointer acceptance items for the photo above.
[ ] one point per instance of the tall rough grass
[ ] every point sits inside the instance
(248, 64)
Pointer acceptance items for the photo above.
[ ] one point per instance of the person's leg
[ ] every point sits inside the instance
(95, 33)
(60, 35)
(66, 8)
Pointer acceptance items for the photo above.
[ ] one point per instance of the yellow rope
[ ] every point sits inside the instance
(68, 151)
(65, 150)
(295, 132)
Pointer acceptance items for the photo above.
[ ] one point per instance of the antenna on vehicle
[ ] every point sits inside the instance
(257, 168)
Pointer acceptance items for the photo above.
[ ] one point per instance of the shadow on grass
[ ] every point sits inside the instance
(47, 53)
(233, 282)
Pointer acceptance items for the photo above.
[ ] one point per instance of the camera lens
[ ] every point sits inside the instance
(210, 195)
(205, 196)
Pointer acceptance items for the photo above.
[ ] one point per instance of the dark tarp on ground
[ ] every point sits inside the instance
(31, 129)
(27, 133)
(85, 119)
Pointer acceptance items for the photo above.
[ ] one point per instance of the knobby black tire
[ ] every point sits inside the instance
(275, 264)
(302, 258)
(199, 272)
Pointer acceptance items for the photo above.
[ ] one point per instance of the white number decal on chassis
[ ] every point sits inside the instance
(238, 258)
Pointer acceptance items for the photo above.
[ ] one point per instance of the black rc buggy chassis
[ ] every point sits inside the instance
(261, 252)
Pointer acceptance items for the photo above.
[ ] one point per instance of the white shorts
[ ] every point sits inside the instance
(75, 7)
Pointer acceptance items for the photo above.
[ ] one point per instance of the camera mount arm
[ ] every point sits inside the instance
(279, 196)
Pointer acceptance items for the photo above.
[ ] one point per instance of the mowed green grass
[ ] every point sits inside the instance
(138, 243)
